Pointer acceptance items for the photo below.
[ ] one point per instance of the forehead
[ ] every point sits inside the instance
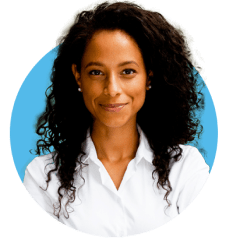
(112, 45)
(114, 36)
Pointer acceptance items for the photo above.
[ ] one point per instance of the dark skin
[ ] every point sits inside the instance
(113, 71)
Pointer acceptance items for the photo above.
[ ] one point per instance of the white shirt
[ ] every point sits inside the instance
(136, 207)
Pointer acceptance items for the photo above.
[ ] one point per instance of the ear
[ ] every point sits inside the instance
(76, 74)
(150, 74)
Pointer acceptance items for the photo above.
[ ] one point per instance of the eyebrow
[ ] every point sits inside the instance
(101, 64)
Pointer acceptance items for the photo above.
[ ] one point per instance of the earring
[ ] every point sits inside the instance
(149, 86)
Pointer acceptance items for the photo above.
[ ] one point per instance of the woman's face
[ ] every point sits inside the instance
(112, 72)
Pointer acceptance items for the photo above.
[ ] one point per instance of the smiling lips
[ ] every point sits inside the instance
(113, 105)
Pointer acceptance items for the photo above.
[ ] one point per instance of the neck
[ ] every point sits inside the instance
(115, 143)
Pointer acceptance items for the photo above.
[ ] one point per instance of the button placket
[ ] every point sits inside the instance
(122, 226)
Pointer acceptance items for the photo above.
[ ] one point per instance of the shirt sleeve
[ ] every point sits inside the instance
(32, 180)
(196, 172)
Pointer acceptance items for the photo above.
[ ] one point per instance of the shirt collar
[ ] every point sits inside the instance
(143, 151)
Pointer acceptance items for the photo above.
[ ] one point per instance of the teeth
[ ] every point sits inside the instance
(119, 106)
(116, 106)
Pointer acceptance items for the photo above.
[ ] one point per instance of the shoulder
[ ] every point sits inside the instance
(41, 161)
(191, 163)
(39, 166)
(192, 157)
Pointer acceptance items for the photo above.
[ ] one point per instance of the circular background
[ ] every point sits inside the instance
(36, 36)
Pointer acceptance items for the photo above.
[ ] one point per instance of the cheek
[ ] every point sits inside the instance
(138, 97)
(90, 94)
(140, 89)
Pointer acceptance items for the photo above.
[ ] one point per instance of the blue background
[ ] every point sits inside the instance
(30, 102)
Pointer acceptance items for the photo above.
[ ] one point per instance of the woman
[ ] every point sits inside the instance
(119, 114)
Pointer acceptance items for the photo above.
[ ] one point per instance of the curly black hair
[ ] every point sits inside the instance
(172, 101)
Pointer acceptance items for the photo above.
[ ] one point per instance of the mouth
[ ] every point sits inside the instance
(115, 105)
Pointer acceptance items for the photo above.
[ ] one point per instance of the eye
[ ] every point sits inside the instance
(128, 71)
(95, 72)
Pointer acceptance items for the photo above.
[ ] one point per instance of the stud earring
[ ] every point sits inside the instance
(79, 89)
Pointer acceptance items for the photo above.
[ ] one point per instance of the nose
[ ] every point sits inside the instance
(112, 85)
